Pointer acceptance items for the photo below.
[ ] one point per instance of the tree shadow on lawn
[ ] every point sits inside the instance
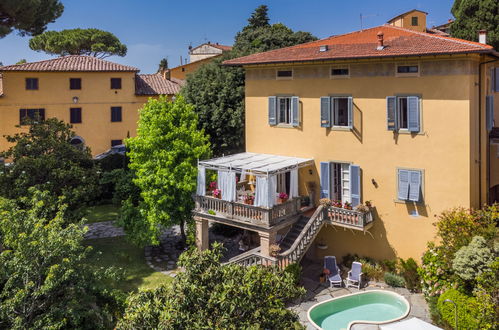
(99, 213)
(117, 252)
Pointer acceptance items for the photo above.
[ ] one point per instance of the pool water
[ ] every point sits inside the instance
(372, 306)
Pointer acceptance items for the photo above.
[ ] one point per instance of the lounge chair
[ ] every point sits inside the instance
(354, 277)
(334, 273)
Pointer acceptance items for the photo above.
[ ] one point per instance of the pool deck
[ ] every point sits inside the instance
(318, 292)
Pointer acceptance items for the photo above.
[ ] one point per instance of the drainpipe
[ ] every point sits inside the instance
(487, 178)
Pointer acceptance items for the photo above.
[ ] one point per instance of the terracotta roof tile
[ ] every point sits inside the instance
(363, 44)
(155, 84)
(70, 63)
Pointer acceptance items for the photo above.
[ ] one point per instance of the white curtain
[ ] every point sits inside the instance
(261, 191)
(201, 186)
(293, 185)
(265, 191)
(226, 182)
(243, 175)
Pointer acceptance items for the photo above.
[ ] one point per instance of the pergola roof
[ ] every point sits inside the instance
(255, 163)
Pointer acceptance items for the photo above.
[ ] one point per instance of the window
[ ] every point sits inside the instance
(409, 185)
(116, 142)
(489, 112)
(74, 83)
(116, 114)
(31, 83)
(28, 115)
(414, 21)
(340, 182)
(407, 69)
(337, 111)
(284, 74)
(183, 69)
(495, 79)
(284, 110)
(115, 83)
(285, 115)
(403, 113)
(335, 72)
(75, 115)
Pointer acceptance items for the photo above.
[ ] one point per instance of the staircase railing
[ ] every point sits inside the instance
(295, 253)
(300, 246)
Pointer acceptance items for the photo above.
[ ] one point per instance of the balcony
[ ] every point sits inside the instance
(246, 215)
(350, 218)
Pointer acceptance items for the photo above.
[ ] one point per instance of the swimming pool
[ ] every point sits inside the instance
(375, 307)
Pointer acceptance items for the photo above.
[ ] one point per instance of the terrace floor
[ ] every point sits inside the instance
(318, 292)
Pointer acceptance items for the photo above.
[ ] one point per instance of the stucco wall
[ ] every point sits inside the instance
(95, 98)
(441, 150)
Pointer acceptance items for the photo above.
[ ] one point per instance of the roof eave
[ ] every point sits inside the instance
(362, 57)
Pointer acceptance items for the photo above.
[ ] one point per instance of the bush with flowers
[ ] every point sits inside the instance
(457, 229)
(217, 193)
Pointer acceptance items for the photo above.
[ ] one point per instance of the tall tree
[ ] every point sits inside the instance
(46, 279)
(91, 42)
(473, 16)
(29, 17)
(208, 295)
(164, 157)
(43, 158)
(217, 92)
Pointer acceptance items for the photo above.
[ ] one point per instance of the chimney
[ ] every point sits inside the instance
(380, 41)
(482, 36)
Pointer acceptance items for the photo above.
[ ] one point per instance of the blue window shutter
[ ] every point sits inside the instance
(272, 110)
(413, 113)
(325, 173)
(355, 184)
(489, 112)
(403, 184)
(496, 80)
(391, 113)
(325, 111)
(414, 185)
(350, 112)
(295, 110)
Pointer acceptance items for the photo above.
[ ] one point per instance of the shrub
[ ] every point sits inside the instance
(409, 271)
(372, 270)
(467, 310)
(347, 260)
(394, 280)
(435, 274)
(389, 265)
(473, 259)
(295, 271)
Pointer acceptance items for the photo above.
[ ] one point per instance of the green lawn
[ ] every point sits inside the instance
(119, 253)
(105, 212)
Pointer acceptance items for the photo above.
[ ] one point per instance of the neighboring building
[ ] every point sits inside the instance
(387, 116)
(99, 98)
(207, 50)
(198, 56)
(443, 29)
(412, 19)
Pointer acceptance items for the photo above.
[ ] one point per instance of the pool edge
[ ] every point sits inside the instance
(363, 321)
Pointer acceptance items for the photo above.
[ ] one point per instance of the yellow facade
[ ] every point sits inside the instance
(181, 71)
(414, 20)
(95, 98)
(446, 150)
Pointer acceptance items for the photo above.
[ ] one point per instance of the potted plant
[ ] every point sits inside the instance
(326, 202)
(347, 206)
(249, 199)
(217, 193)
(275, 249)
(362, 208)
(336, 203)
(283, 197)
(212, 186)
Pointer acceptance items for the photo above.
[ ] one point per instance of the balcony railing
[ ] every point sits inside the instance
(349, 218)
(239, 212)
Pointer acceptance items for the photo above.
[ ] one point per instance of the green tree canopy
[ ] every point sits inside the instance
(217, 91)
(91, 42)
(208, 295)
(46, 280)
(473, 16)
(164, 157)
(29, 17)
(43, 158)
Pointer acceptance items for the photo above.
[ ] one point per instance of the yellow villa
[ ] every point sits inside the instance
(391, 125)
(99, 98)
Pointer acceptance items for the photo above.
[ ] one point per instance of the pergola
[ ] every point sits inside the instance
(264, 167)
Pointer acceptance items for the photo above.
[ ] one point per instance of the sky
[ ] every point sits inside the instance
(154, 29)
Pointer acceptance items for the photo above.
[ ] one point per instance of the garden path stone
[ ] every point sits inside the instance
(103, 229)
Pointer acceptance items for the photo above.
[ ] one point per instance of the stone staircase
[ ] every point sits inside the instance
(293, 233)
